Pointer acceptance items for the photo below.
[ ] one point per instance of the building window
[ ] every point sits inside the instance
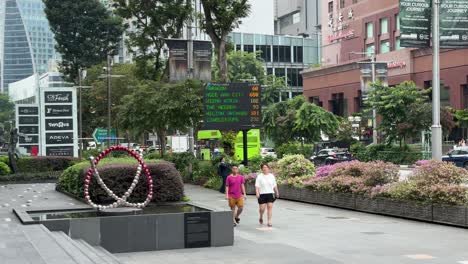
(281, 53)
(384, 26)
(315, 100)
(295, 77)
(265, 52)
(397, 44)
(370, 50)
(280, 72)
(248, 48)
(342, 3)
(296, 18)
(330, 7)
(338, 104)
(370, 30)
(298, 54)
(384, 46)
(238, 47)
(397, 21)
(269, 71)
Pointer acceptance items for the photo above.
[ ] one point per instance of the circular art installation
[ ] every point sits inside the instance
(119, 201)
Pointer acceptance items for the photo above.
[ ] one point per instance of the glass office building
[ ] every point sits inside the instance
(26, 42)
(284, 56)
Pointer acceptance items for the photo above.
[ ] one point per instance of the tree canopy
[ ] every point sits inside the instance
(150, 23)
(298, 119)
(85, 33)
(7, 111)
(219, 18)
(159, 107)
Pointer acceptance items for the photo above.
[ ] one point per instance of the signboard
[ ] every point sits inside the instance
(177, 59)
(58, 124)
(64, 151)
(59, 138)
(29, 139)
(58, 97)
(415, 23)
(454, 24)
(28, 110)
(58, 110)
(28, 129)
(381, 73)
(232, 106)
(100, 135)
(202, 53)
(28, 120)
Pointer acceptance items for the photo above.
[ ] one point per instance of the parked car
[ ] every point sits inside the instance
(458, 156)
(331, 156)
(268, 152)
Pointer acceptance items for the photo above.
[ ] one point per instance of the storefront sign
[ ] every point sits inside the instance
(58, 97)
(396, 65)
(232, 106)
(28, 139)
(341, 36)
(28, 120)
(58, 124)
(454, 24)
(415, 23)
(63, 151)
(58, 110)
(59, 138)
(28, 129)
(30, 110)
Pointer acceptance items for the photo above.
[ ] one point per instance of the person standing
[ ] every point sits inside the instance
(223, 172)
(235, 193)
(266, 188)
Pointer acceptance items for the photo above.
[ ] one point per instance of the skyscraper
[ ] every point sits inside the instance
(26, 42)
(298, 17)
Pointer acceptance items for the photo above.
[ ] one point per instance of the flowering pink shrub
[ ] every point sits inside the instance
(421, 162)
(439, 172)
(250, 177)
(324, 171)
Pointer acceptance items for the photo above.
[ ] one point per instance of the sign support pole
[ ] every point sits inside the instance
(436, 127)
(190, 76)
(245, 147)
(374, 111)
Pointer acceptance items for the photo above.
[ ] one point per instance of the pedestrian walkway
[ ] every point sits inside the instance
(304, 233)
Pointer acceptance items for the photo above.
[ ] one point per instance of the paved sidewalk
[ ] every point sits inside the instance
(305, 233)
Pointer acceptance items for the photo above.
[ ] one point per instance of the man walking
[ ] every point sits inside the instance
(235, 193)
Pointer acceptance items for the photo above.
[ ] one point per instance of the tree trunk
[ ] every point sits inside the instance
(222, 60)
(162, 142)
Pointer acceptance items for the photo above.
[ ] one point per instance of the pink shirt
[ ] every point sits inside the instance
(234, 183)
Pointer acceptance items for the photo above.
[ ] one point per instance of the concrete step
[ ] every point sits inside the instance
(66, 243)
(46, 246)
(111, 256)
(93, 253)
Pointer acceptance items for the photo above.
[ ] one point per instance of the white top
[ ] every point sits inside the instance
(265, 183)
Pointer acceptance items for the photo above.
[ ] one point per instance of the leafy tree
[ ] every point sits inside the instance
(85, 32)
(95, 99)
(151, 22)
(462, 120)
(219, 19)
(158, 107)
(245, 65)
(271, 88)
(296, 119)
(7, 108)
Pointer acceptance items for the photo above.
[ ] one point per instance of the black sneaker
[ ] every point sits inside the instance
(237, 220)
(234, 224)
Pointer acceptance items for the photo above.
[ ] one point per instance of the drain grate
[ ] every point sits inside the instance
(373, 233)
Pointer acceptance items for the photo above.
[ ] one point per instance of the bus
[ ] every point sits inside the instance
(210, 139)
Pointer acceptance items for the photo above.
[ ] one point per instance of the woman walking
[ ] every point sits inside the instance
(266, 188)
(223, 172)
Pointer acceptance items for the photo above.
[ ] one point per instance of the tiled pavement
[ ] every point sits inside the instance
(302, 233)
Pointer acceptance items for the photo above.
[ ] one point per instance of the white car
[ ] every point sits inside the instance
(268, 152)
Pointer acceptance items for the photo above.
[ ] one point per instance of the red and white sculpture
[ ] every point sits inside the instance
(119, 201)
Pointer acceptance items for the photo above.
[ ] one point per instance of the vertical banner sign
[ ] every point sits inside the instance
(202, 53)
(454, 24)
(27, 122)
(415, 23)
(178, 61)
(381, 75)
(233, 106)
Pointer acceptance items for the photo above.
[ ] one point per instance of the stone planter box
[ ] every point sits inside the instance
(341, 200)
(289, 192)
(250, 188)
(367, 205)
(417, 211)
(308, 196)
(452, 215)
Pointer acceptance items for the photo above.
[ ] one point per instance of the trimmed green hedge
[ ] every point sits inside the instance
(4, 169)
(48, 176)
(118, 175)
(44, 164)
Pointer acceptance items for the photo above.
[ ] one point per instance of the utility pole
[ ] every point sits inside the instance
(374, 111)
(190, 76)
(436, 127)
(80, 116)
(108, 100)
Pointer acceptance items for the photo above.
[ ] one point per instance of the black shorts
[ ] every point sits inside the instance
(266, 198)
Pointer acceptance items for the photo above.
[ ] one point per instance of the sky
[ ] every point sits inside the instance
(260, 19)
